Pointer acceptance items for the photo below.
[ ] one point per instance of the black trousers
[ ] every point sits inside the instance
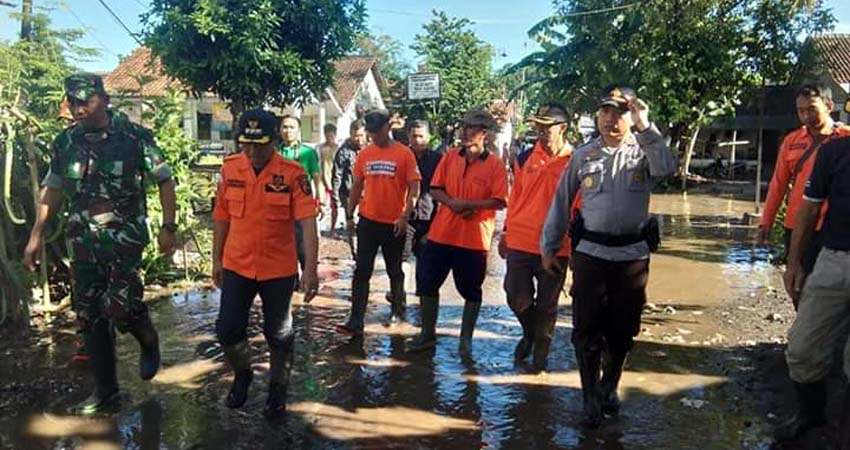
(371, 236)
(416, 235)
(608, 300)
(468, 268)
(523, 269)
(237, 295)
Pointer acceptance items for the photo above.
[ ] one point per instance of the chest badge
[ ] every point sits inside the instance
(588, 182)
(277, 185)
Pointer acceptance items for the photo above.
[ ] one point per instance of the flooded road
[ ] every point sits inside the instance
(679, 388)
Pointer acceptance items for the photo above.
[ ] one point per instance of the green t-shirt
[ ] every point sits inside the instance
(305, 155)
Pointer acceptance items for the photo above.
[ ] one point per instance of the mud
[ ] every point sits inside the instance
(705, 374)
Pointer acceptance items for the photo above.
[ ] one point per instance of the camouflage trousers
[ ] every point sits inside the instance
(108, 289)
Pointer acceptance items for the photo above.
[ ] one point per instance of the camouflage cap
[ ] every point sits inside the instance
(82, 86)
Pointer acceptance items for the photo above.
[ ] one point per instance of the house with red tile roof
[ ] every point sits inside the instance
(139, 77)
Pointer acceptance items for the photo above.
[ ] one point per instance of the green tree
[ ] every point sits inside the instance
(253, 52)
(449, 48)
(692, 60)
(31, 88)
(393, 67)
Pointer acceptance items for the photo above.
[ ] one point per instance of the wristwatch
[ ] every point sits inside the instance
(172, 227)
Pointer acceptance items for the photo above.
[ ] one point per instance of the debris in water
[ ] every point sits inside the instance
(693, 402)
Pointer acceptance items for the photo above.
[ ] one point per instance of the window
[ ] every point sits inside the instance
(204, 126)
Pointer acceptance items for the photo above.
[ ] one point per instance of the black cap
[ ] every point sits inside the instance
(376, 119)
(550, 114)
(617, 95)
(82, 86)
(257, 126)
(480, 118)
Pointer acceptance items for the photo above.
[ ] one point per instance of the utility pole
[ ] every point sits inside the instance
(26, 20)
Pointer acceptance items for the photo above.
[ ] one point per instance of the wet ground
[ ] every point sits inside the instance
(705, 374)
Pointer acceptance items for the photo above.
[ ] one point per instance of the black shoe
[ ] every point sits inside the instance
(544, 331)
(429, 309)
(354, 325)
(238, 394)
(589, 362)
(467, 327)
(276, 402)
(239, 359)
(811, 413)
(526, 343)
(149, 357)
(612, 371)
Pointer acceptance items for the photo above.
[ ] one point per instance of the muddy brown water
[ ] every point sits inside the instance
(369, 394)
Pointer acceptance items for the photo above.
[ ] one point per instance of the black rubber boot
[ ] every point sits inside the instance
(100, 342)
(144, 332)
(589, 363)
(612, 371)
(844, 423)
(467, 327)
(544, 331)
(523, 347)
(811, 413)
(355, 323)
(398, 302)
(240, 362)
(429, 308)
(280, 367)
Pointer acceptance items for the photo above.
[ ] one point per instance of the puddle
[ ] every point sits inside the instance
(372, 395)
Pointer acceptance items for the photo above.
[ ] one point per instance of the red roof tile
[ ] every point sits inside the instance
(834, 51)
(350, 73)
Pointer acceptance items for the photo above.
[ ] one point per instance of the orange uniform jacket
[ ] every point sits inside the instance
(532, 192)
(792, 149)
(482, 179)
(262, 210)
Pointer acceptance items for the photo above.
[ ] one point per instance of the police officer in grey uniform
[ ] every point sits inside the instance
(612, 235)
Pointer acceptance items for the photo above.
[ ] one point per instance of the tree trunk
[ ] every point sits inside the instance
(688, 155)
(237, 107)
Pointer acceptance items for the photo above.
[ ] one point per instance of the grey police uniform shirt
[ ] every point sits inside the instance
(615, 184)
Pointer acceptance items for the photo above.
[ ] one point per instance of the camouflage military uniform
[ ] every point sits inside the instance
(103, 175)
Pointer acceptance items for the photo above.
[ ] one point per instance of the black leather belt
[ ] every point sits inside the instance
(611, 240)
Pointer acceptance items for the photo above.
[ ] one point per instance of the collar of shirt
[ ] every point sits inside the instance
(482, 156)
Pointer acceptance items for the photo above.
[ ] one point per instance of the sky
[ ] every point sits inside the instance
(502, 23)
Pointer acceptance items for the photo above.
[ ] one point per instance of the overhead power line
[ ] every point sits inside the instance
(120, 22)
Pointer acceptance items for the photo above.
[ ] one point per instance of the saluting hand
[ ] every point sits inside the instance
(640, 113)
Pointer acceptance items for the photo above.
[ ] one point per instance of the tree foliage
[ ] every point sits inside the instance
(253, 52)
(692, 59)
(449, 48)
(393, 67)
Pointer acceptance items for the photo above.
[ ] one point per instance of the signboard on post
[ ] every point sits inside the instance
(423, 86)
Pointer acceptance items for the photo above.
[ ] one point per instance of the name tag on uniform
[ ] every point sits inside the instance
(236, 183)
(798, 146)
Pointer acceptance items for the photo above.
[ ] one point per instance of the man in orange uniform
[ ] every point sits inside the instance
(470, 184)
(261, 195)
(536, 180)
(385, 187)
(795, 162)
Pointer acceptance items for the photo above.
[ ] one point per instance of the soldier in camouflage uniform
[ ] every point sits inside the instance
(101, 164)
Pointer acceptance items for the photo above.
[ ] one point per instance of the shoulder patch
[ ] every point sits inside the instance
(304, 185)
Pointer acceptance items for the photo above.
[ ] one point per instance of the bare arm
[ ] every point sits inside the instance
(354, 196)
(220, 230)
(50, 200)
(412, 197)
(310, 237)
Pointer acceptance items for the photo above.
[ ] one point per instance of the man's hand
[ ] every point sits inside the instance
(400, 226)
(167, 242)
(552, 265)
(794, 278)
(640, 114)
(217, 274)
(309, 285)
(503, 247)
(31, 252)
(349, 226)
(764, 235)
